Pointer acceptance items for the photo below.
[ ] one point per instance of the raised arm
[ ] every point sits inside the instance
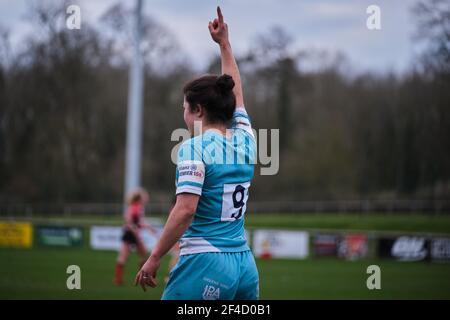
(219, 33)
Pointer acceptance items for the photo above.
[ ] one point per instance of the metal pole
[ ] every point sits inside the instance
(134, 117)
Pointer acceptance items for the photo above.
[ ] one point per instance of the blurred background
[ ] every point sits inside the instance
(364, 136)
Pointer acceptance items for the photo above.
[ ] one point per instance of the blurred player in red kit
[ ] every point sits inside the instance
(136, 201)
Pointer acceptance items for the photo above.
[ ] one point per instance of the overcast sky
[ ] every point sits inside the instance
(336, 25)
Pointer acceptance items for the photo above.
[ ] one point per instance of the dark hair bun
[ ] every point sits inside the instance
(225, 83)
(215, 94)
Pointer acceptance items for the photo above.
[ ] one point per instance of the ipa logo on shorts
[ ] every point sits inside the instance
(211, 293)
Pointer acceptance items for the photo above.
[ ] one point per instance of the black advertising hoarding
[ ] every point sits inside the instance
(440, 249)
(404, 248)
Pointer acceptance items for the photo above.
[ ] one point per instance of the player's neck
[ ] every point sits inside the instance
(219, 128)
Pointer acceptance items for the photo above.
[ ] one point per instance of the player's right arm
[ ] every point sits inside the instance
(219, 33)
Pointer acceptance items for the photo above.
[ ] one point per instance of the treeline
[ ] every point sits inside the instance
(63, 102)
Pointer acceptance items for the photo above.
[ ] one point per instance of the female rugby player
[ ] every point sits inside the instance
(214, 171)
(131, 237)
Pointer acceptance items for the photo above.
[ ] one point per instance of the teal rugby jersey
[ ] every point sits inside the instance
(219, 169)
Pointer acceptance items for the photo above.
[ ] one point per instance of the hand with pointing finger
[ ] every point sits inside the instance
(219, 29)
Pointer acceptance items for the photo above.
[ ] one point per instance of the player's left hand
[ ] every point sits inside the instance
(218, 28)
(147, 275)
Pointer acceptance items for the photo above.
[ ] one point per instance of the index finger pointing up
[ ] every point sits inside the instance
(219, 15)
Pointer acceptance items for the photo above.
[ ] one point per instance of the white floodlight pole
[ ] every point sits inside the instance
(134, 116)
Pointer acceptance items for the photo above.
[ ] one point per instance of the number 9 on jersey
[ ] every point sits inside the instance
(234, 201)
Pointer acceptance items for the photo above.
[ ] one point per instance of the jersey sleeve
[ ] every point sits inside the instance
(241, 120)
(190, 172)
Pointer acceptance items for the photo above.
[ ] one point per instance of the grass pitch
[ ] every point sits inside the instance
(40, 273)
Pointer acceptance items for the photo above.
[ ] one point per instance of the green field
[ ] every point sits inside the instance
(40, 273)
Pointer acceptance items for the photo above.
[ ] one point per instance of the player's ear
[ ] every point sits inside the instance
(200, 111)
